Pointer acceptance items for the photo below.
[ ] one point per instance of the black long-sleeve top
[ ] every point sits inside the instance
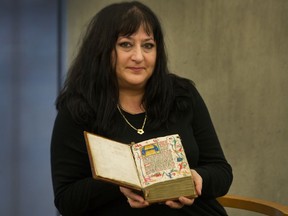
(78, 194)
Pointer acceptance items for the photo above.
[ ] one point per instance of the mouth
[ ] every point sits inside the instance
(136, 69)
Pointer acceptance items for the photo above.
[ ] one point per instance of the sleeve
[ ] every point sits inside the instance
(213, 167)
(75, 191)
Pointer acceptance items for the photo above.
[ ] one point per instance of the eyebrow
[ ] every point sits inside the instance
(150, 38)
(129, 37)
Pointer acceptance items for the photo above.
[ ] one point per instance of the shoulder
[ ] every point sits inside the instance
(185, 94)
(75, 108)
(183, 87)
(66, 122)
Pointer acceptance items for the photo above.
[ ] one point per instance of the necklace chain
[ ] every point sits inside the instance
(139, 131)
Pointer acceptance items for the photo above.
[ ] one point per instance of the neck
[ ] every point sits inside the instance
(131, 101)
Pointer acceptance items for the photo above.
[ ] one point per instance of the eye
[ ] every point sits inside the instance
(125, 44)
(148, 45)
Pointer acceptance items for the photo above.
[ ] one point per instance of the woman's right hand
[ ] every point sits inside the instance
(135, 200)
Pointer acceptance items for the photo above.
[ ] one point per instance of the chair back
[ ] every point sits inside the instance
(254, 205)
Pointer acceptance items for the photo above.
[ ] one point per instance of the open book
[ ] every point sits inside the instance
(158, 167)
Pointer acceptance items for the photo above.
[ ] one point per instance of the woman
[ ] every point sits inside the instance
(119, 87)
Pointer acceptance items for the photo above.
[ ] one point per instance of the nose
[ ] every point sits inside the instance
(137, 54)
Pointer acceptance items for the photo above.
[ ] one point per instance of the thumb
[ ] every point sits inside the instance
(198, 181)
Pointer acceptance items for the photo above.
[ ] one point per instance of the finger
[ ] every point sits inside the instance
(186, 201)
(173, 204)
(198, 186)
(136, 204)
(198, 181)
(124, 190)
(199, 189)
(136, 197)
(130, 194)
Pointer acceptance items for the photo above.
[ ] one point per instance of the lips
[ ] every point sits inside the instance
(136, 69)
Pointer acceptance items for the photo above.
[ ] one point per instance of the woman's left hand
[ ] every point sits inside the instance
(137, 201)
(184, 200)
(177, 204)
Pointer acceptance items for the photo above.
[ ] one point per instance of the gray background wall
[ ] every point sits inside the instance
(236, 51)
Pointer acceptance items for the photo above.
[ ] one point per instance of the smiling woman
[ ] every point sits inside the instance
(135, 62)
(119, 87)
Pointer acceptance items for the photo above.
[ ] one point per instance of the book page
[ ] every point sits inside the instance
(160, 159)
(112, 160)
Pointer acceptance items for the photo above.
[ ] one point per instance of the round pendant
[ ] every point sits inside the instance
(140, 131)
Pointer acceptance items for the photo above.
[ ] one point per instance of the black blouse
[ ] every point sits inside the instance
(77, 193)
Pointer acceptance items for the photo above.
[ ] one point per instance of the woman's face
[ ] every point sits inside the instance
(135, 61)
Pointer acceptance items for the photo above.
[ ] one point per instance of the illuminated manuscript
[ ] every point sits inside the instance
(158, 167)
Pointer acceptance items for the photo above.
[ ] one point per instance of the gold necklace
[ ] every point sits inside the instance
(139, 131)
